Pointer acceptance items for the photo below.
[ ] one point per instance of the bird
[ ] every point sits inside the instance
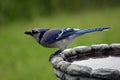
(59, 37)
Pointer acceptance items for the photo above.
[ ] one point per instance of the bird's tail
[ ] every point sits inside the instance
(80, 32)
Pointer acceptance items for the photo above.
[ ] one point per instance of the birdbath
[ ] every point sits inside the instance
(95, 62)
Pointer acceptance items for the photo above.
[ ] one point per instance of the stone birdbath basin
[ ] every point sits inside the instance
(95, 62)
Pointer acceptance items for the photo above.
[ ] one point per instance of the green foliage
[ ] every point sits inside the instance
(21, 58)
(12, 10)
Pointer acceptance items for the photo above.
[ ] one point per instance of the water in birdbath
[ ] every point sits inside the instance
(109, 62)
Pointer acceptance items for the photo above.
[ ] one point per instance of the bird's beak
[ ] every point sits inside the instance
(28, 32)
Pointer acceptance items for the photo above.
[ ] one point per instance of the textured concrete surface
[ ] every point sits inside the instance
(65, 69)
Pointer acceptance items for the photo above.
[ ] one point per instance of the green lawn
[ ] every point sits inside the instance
(21, 58)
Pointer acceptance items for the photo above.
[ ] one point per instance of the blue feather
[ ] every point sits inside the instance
(80, 32)
(51, 37)
(59, 35)
(66, 32)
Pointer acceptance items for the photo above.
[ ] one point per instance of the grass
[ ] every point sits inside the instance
(21, 58)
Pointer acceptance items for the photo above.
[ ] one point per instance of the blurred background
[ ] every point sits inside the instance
(21, 58)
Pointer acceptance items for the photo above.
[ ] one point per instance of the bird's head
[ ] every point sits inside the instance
(36, 33)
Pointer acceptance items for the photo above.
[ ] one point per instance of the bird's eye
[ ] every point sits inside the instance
(34, 32)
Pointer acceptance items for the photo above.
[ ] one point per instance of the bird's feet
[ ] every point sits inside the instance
(54, 54)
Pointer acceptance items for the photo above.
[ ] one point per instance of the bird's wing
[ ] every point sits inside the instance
(54, 35)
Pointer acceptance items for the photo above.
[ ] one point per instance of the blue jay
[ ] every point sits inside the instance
(59, 38)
